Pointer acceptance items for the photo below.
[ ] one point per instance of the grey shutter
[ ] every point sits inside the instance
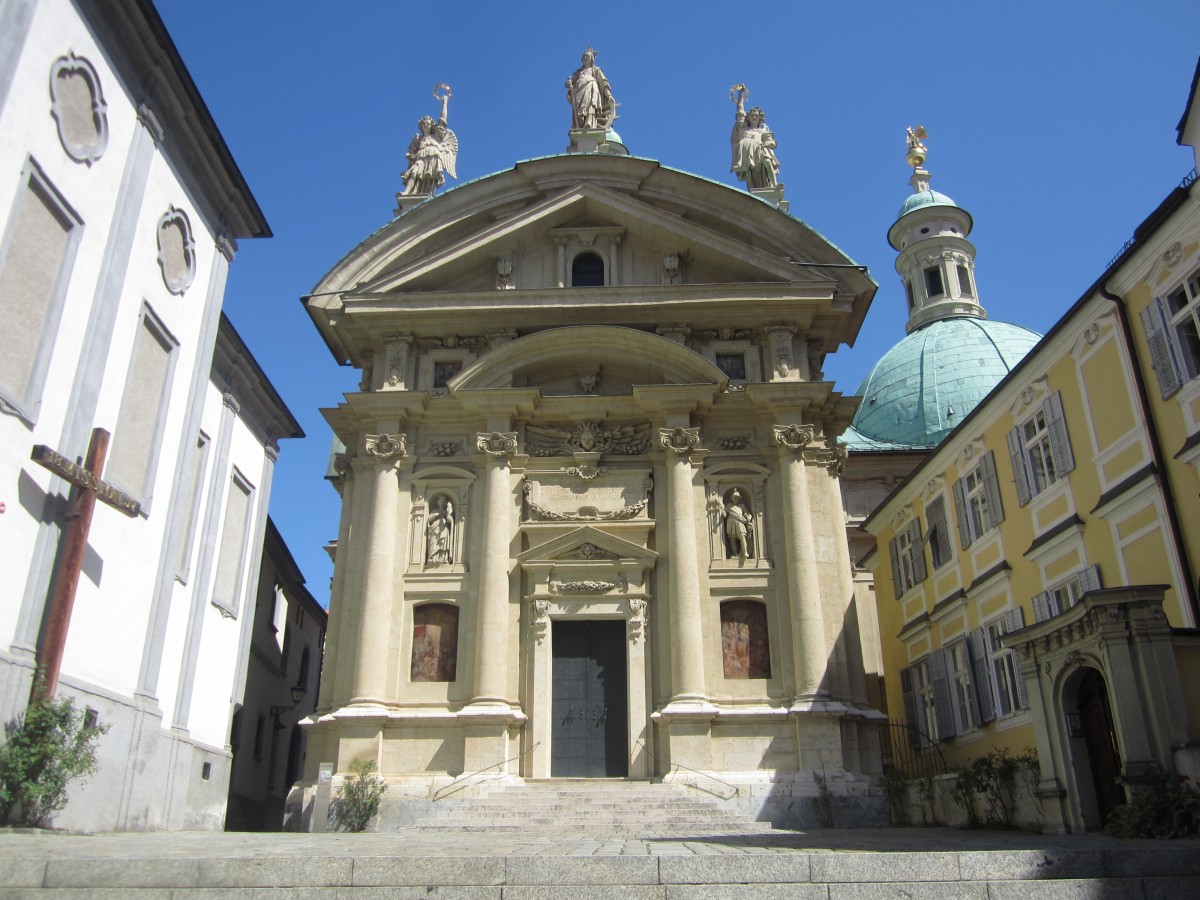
(942, 704)
(897, 584)
(917, 551)
(910, 708)
(960, 511)
(1157, 336)
(977, 645)
(939, 533)
(1056, 427)
(991, 489)
(1016, 452)
(1015, 621)
(1089, 579)
(1041, 607)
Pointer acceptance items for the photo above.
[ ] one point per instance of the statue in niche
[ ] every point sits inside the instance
(590, 96)
(432, 153)
(439, 543)
(753, 143)
(739, 527)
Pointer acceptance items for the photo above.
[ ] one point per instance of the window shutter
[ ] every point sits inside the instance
(1169, 378)
(960, 511)
(991, 488)
(1016, 452)
(910, 709)
(1060, 442)
(1041, 607)
(942, 704)
(981, 669)
(897, 584)
(935, 515)
(1015, 620)
(1089, 579)
(917, 551)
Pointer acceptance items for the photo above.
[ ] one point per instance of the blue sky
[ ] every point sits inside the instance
(1053, 123)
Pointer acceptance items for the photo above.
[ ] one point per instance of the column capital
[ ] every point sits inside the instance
(386, 447)
(499, 445)
(681, 441)
(794, 438)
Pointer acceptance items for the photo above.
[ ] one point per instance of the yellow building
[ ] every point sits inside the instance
(1036, 574)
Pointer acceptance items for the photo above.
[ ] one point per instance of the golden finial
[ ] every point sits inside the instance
(916, 149)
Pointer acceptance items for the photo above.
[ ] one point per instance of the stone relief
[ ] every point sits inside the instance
(444, 448)
(753, 143)
(588, 587)
(386, 446)
(176, 250)
(588, 383)
(439, 531)
(504, 273)
(588, 437)
(432, 153)
(397, 359)
(589, 551)
(735, 442)
(590, 95)
(453, 342)
(637, 618)
(78, 107)
(583, 514)
(793, 437)
(724, 333)
(671, 273)
(497, 444)
(679, 440)
(540, 617)
(586, 471)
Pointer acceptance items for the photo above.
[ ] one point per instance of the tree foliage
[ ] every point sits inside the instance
(359, 797)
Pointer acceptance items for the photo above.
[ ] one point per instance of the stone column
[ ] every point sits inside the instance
(561, 243)
(687, 634)
(808, 622)
(373, 645)
(491, 620)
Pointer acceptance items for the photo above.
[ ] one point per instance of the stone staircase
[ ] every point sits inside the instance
(588, 806)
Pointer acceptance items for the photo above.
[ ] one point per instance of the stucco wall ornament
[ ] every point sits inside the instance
(504, 273)
(679, 440)
(386, 446)
(584, 513)
(176, 250)
(1172, 254)
(587, 437)
(637, 618)
(432, 153)
(444, 448)
(670, 263)
(78, 107)
(540, 618)
(587, 587)
(793, 437)
(588, 382)
(1091, 334)
(397, 358)
(497, 444)
(586, 471)
(588, 550)
(735, 441)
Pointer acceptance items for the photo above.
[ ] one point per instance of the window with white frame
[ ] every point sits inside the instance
(1000, 688)
(908, 558)
(1172, 326)
(1060, 597)
(1040, 449)
(962, 688)
(977, 501)
(926, 706)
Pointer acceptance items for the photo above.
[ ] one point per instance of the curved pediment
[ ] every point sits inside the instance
(617, 358)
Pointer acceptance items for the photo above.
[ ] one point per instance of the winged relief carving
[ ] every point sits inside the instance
(587, 437)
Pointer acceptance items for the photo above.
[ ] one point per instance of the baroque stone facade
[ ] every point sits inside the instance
(537, 465)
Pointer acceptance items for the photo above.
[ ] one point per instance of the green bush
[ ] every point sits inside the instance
(46, 749)
(1163, 811)
(992, 778)
(894, 784)
(359, 796)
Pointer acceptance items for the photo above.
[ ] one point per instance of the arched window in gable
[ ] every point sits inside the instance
(434, 642)
(745, 645)
(587, 270)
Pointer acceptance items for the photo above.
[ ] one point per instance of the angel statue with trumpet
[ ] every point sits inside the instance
(432, 152)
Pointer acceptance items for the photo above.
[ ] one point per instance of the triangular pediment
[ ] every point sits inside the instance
(586, 544)
(528, 237)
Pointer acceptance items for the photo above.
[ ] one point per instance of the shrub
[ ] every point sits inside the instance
(824, 800)
(47, 748)
(359, 797)
(992, 778)
(963, 792)
(894, 784)
(1163, 811)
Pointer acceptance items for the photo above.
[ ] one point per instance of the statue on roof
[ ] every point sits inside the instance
(432, 153)
(592, 105)
(753, 142)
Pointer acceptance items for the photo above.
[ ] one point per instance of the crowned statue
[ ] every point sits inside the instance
(592, 105)
(753, 144)
(432, 153)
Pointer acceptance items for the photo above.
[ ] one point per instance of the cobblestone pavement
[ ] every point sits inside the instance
(25, 843)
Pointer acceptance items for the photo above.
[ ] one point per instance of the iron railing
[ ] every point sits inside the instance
(675, 767)
(1187, 181)
(445, 791)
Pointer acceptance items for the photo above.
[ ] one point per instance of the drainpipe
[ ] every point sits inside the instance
(1156, 454)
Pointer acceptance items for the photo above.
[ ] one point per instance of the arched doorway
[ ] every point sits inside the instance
(1096, 757)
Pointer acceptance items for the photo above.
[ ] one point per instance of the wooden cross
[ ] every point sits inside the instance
(88, 488)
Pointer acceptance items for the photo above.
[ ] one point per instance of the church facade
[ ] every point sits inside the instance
(591, 517)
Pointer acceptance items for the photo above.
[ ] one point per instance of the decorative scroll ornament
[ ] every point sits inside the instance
(386, 446)
(585, 471)
(679, 440)
(541, 618)
(588, 437)
(637, 618)
(794, 437)
(497, 444)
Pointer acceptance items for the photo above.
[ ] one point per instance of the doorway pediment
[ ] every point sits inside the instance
(585, 545)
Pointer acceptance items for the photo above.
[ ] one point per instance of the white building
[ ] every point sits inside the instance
(120, 208)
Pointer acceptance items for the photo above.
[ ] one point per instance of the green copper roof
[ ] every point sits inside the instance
(926, 384)
(922, 199)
